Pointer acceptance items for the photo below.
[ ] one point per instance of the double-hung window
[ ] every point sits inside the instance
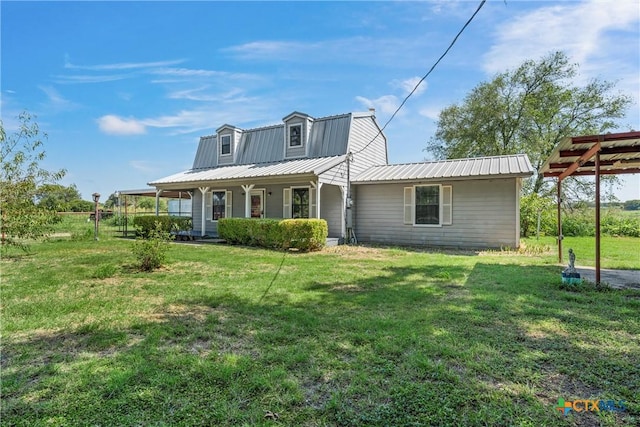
(428, 205)
(300, 203)
(225, 145)
(295, 135)
(219, 204)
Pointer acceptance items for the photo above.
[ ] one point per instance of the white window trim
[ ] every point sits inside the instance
(411, 204)
(228, 197)
(302, 145)
(308, 187)
(230, 153)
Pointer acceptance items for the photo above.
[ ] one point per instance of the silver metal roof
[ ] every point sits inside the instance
(314, 166)
(329, 136)
(479, 167)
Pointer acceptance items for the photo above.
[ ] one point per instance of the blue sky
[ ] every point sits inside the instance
(125, 89)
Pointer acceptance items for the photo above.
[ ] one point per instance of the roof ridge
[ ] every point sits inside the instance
(264, 163)
(452, 160)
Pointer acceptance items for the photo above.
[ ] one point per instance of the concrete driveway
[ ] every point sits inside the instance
(619, 279)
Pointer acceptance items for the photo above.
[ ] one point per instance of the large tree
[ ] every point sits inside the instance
(527, 110)
(57, 197)
(20, 177)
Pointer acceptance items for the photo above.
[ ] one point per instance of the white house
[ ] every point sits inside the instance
(336, 168)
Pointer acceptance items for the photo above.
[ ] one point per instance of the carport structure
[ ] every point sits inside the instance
(596, 155)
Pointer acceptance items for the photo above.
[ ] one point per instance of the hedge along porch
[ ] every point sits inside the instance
(302, 188)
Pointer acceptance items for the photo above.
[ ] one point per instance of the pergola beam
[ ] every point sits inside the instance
(605, 151)
(588, 172)
(583, 158)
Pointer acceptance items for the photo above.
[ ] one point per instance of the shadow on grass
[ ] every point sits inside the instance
(492, 344)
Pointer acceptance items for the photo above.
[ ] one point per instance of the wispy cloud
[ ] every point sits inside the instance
(581, 29)
(60, 79)
(115, 125)
(122, 65)
(386, 104)
(55, 101)
(187, 72)
(407, 85)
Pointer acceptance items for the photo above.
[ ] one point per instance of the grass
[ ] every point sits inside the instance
(348, 336)
(615, 252)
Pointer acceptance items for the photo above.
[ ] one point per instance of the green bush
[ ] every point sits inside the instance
(301, 234)
(151, 252)
(144, 224)
(305, 235)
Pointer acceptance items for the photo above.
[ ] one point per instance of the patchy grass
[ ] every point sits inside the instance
(347, 336)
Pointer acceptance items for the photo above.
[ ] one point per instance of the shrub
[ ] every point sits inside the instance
(301, 234)
(151, 252)
(144, 224)
(305, 235)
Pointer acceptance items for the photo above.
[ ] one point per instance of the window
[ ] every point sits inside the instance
(300, 203)
(225, 145)
(428, 205)
(295, 135)
(219, 204)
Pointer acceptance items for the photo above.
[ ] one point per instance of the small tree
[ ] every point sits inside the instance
(20, 177)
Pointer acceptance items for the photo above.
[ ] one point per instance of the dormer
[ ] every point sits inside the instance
(297, 128)
(228, 138)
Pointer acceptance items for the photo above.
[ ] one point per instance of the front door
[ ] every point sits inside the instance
(257, 204)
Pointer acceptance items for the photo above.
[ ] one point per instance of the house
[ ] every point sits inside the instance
(336, 168)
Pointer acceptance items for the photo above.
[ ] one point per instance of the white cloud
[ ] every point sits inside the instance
(122, 65)
(55, 100)
(89, 79)
(386, 104)
(430, 112)
(581, 29)
(114, 125)
(407, 85)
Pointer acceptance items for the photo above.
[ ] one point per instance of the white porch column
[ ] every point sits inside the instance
(317, 185)
(343, 217)
(247, 199)
(158, 192)
(203, 191)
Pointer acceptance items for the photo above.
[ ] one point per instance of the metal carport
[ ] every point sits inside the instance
(606, 154)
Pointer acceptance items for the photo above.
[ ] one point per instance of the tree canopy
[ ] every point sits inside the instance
(527, 110)
(20, 178)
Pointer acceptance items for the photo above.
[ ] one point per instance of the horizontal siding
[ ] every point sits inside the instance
(484, 215)
(331, 209)
(330, 205)
(363, 130)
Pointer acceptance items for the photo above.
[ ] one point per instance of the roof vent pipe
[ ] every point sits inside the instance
(372, 110)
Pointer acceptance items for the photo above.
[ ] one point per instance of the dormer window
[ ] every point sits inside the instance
(225, 145)
(295, 135)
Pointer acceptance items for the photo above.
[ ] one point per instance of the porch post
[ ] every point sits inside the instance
(598, 218)
(318, 186)
(343, 218)
(247, 199)
(158, 192)
(203, 191)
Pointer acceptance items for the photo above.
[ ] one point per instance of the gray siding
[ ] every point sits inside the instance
(363, 131)
(331, 209)
(299, 151)
(484, 215)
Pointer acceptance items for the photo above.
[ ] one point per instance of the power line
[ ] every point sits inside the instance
(425, 76)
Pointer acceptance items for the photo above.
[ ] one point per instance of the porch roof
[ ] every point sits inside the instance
(306, 166)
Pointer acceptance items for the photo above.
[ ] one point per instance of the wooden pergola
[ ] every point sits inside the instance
(593, 155)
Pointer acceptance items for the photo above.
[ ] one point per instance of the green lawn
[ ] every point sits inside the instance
(347, 336)
(615, 252)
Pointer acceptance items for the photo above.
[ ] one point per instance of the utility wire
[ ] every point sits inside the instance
(425, 76)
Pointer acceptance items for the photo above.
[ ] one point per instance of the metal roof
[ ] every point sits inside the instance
(328, 136)
(479, 167)
(314, 166)
(619, 154)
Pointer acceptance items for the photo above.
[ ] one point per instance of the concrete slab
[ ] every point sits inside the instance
(619, 279)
